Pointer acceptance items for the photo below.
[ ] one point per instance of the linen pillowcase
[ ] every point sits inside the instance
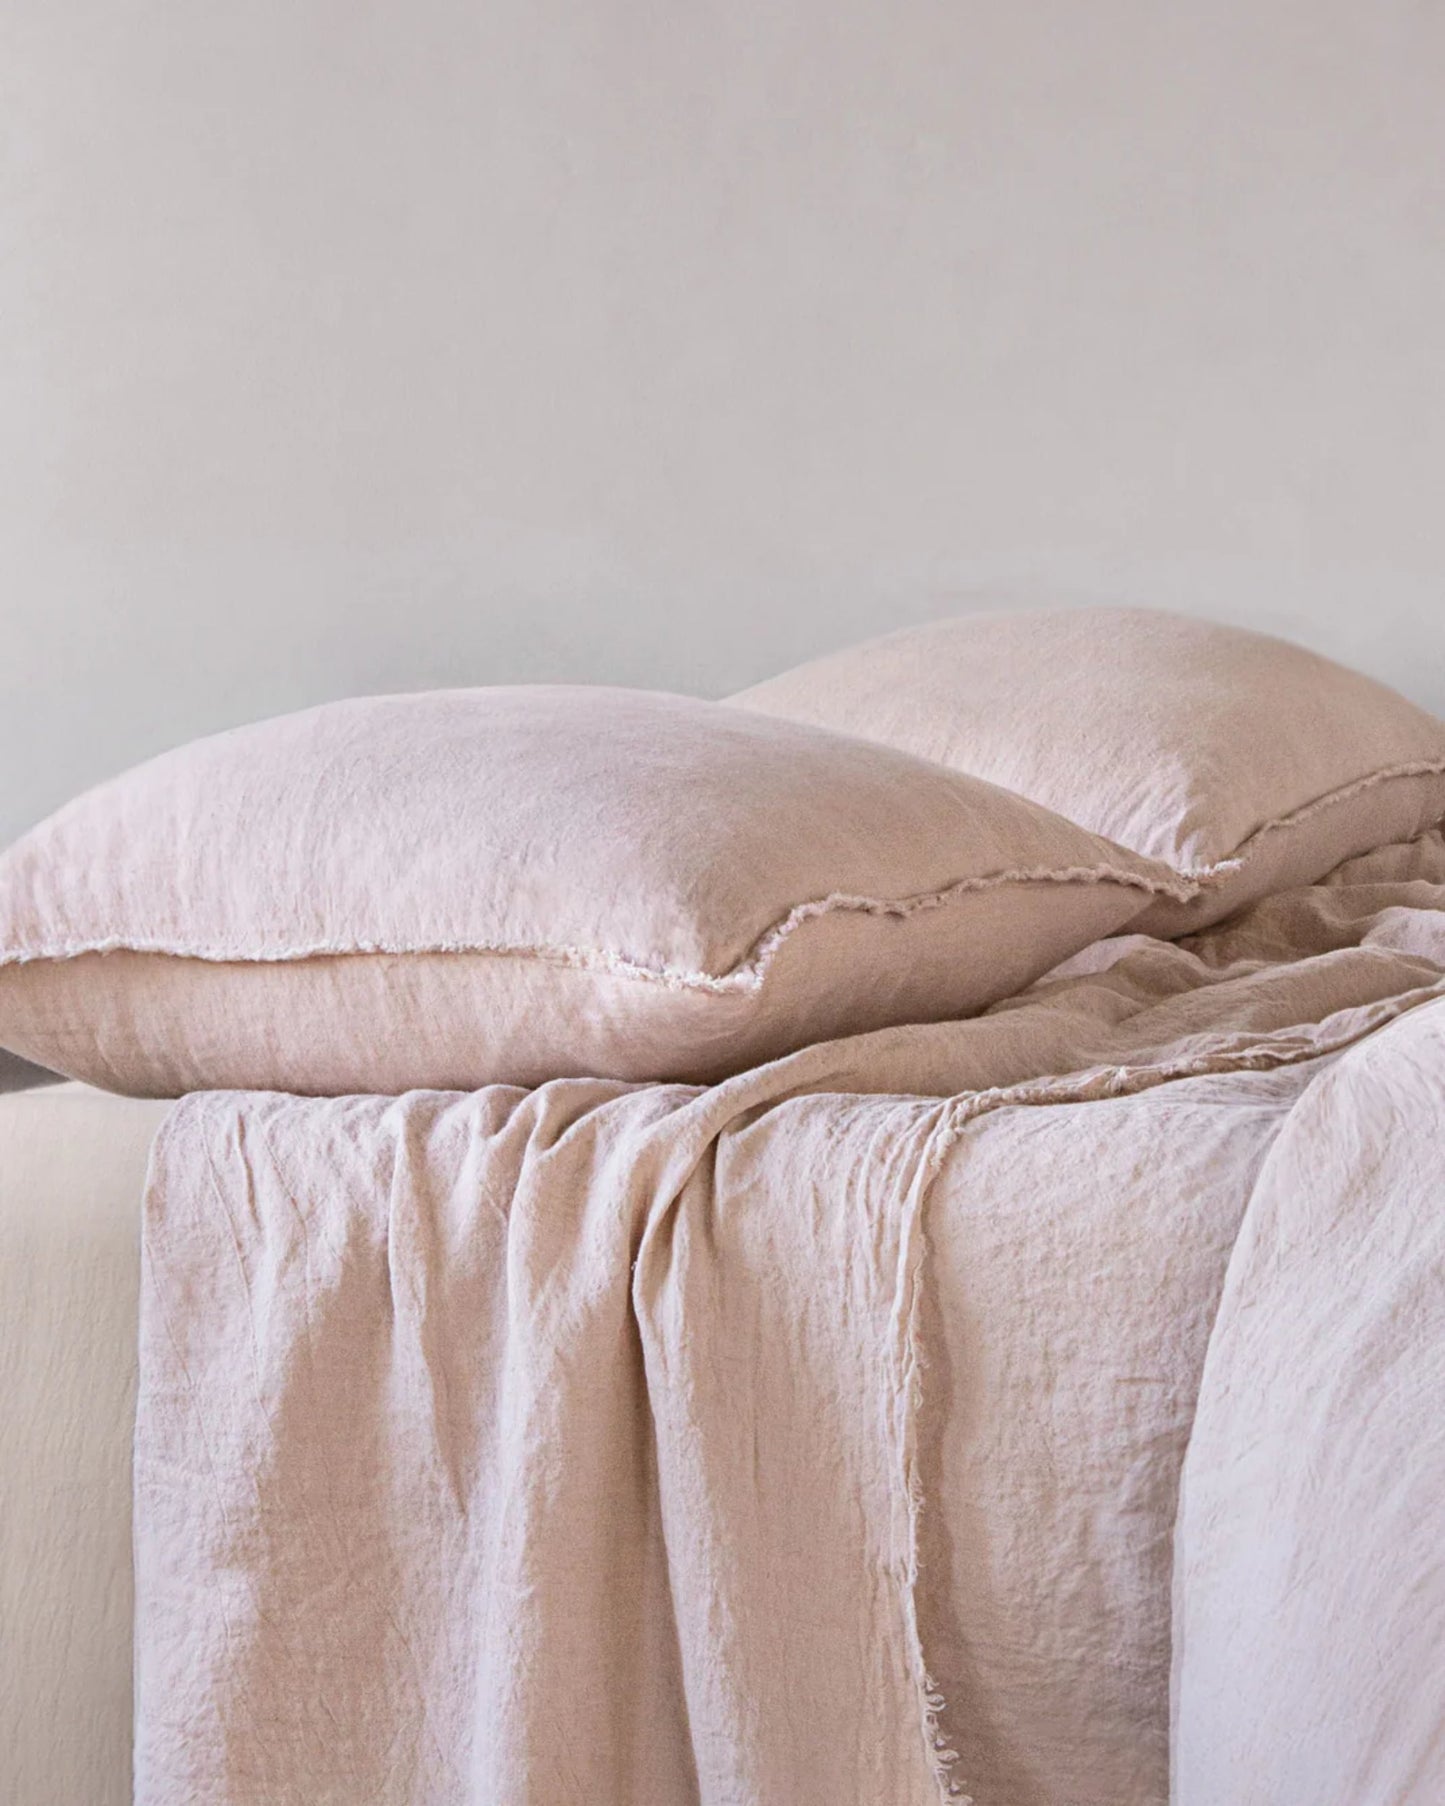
(1243, 762)
(472, 886)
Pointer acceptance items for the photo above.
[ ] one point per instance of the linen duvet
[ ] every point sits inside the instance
(818, 1435)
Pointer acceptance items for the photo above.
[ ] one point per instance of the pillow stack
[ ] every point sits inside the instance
(514, 885)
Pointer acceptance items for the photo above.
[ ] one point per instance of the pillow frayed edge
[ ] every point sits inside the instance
(745, 977)
(1209, 877)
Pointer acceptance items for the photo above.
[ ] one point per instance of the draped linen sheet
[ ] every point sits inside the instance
(1310, 1639)
(815, 1437)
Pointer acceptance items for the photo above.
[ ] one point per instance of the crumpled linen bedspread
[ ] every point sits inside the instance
(816, 1437)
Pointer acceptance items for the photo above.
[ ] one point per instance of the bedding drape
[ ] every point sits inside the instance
(815, 1437)
(1309, 1646)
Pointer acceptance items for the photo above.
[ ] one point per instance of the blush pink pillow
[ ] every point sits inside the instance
(521, 884)
(1244, 763)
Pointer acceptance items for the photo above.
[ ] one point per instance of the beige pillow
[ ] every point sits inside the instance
(522, 884)
(1241, 761)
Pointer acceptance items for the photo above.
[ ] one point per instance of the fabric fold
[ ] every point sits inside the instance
(517, 1447)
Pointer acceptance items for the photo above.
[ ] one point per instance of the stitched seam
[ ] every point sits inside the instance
(1216, 872)
(747, 976)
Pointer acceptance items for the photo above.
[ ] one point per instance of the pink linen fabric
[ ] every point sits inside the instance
(514, 885)
(1237, 759)
(1309, 1655)
(480, 1461)
(668, 1445)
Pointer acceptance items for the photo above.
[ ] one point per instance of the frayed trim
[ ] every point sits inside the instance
(909, 1364)
(746, 977)
(943, 1757)
(1209, 876)
(1102, 1082)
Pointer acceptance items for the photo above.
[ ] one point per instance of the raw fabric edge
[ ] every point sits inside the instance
(1209, 876)
(746, 976)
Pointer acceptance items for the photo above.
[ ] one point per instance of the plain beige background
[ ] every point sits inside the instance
(359, 346)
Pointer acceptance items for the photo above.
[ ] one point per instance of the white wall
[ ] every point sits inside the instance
(348, 346)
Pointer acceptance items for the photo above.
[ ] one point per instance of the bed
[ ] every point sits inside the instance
(1031, 1405)
(1091, 1660)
